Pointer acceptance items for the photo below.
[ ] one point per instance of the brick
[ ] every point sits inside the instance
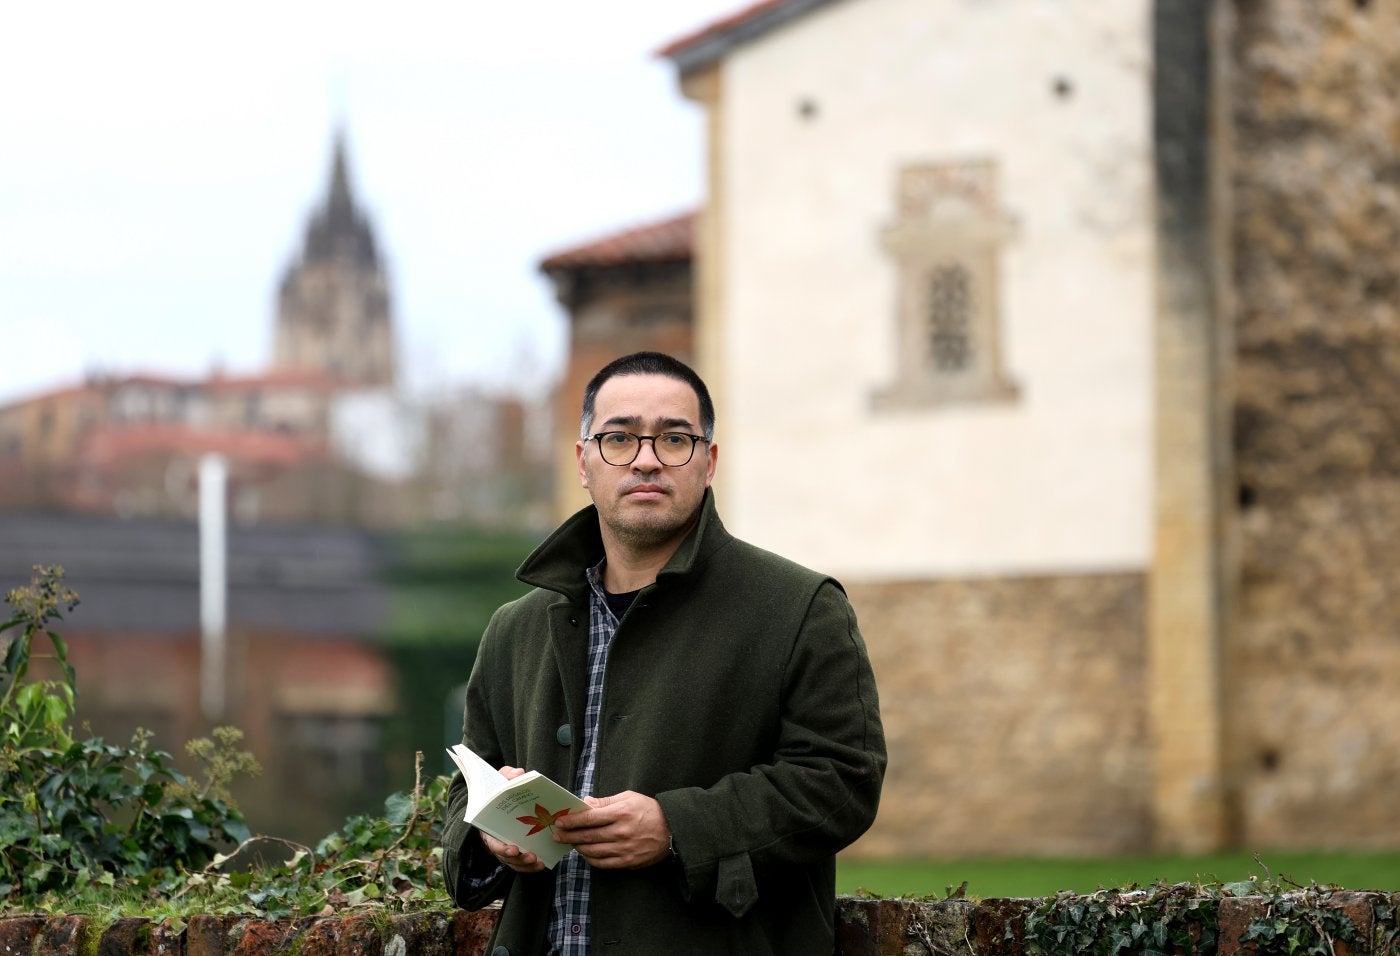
(126, 937)
(996, 926)
(17, 935)
(205, 936)
(1360, 909)
(1234, 916)
(168, 938)
(422, 934)
(63, 936)
(256, 937)
(360, 936)
(472, 929)
(320, 937)
(857, 924)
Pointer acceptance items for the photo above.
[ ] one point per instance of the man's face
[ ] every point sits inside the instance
(646, 504)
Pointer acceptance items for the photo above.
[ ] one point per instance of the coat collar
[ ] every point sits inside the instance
(559, 562)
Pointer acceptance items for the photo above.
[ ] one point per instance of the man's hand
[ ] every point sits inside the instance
(511, 855)
(623, 832)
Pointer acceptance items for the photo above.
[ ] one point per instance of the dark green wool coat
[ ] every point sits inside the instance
(738, 693)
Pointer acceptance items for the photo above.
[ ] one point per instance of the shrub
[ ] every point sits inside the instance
(80, 811)
(85, 824)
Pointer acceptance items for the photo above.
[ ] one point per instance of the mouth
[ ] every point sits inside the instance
(644, 492)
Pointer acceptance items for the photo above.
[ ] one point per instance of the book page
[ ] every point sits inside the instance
(521, 811)
(483, 780)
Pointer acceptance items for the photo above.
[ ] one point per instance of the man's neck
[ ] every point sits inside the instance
(630, 567)
(627, 570)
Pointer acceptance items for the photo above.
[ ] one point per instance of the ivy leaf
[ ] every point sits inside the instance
(398, 808)
(17, 654)
(237, 829)
(60, 650)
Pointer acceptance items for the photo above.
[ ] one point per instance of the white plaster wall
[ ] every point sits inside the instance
(1058, 480)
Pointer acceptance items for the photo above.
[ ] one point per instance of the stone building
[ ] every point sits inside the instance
(625, 292)
(333, 309)
(1085, 319)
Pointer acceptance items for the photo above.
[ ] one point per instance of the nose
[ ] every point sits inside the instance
(648, 449)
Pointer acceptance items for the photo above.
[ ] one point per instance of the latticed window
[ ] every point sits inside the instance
(946, 245)
(950, 316)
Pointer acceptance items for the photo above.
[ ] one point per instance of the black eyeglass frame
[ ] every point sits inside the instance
(598, 440)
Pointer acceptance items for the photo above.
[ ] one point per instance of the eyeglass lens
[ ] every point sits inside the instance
(622, 448)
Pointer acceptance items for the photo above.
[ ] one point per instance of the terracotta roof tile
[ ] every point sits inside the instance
(290, 378)
(274, 378)
(720, 26)
(667, 240)
(106, 446)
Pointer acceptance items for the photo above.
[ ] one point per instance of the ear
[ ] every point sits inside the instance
(712, 455)
(579, 451)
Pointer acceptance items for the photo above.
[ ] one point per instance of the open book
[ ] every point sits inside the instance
(520, 811)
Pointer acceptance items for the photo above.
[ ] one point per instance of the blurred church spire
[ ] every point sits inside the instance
(333, 308)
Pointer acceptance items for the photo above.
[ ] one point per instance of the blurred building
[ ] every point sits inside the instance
(626, 292)
(333, 309)
(321, 436)
(1065, 336)
(301, 674)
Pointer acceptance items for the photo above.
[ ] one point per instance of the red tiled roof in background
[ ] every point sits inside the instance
(108, 445)
(717, 27)
(669, 240)
(216, 381)
(93, 384)
(310, 378)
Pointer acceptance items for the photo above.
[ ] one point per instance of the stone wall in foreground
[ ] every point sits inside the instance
(1353, 923)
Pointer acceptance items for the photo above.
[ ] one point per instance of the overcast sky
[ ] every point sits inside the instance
(158, 161)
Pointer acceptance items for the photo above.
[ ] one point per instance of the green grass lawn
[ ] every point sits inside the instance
(993, 877)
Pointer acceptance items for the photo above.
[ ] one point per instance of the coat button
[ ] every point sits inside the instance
(500, 951)
(565, 735)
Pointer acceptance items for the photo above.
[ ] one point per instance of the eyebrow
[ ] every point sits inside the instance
(662, 424)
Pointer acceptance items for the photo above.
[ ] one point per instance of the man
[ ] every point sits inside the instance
(713, 703)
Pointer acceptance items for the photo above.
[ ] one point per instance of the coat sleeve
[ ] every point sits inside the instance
(821, 788)
(474, 877)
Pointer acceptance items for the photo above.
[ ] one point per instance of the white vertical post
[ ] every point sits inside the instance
(213, 582)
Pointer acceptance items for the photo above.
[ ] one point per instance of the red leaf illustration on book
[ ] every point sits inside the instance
(542, 819)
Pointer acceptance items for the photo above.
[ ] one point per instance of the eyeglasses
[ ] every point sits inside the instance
(672, 449)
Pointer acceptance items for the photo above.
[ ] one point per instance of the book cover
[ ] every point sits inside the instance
(520, 811)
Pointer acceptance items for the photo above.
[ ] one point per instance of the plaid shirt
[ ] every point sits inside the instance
(569, 930)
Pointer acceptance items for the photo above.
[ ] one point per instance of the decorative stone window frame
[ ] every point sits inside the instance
(946, 243)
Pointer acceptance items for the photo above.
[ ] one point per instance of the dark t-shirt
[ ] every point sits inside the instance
(619, 603)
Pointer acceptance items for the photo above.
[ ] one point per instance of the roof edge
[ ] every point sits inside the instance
(668, 239)
(715, 40)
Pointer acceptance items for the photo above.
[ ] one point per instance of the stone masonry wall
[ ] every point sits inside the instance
(1313, 667)
(1014, 712)
(864, 927)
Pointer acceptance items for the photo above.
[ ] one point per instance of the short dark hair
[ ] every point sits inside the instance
(649, 363)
